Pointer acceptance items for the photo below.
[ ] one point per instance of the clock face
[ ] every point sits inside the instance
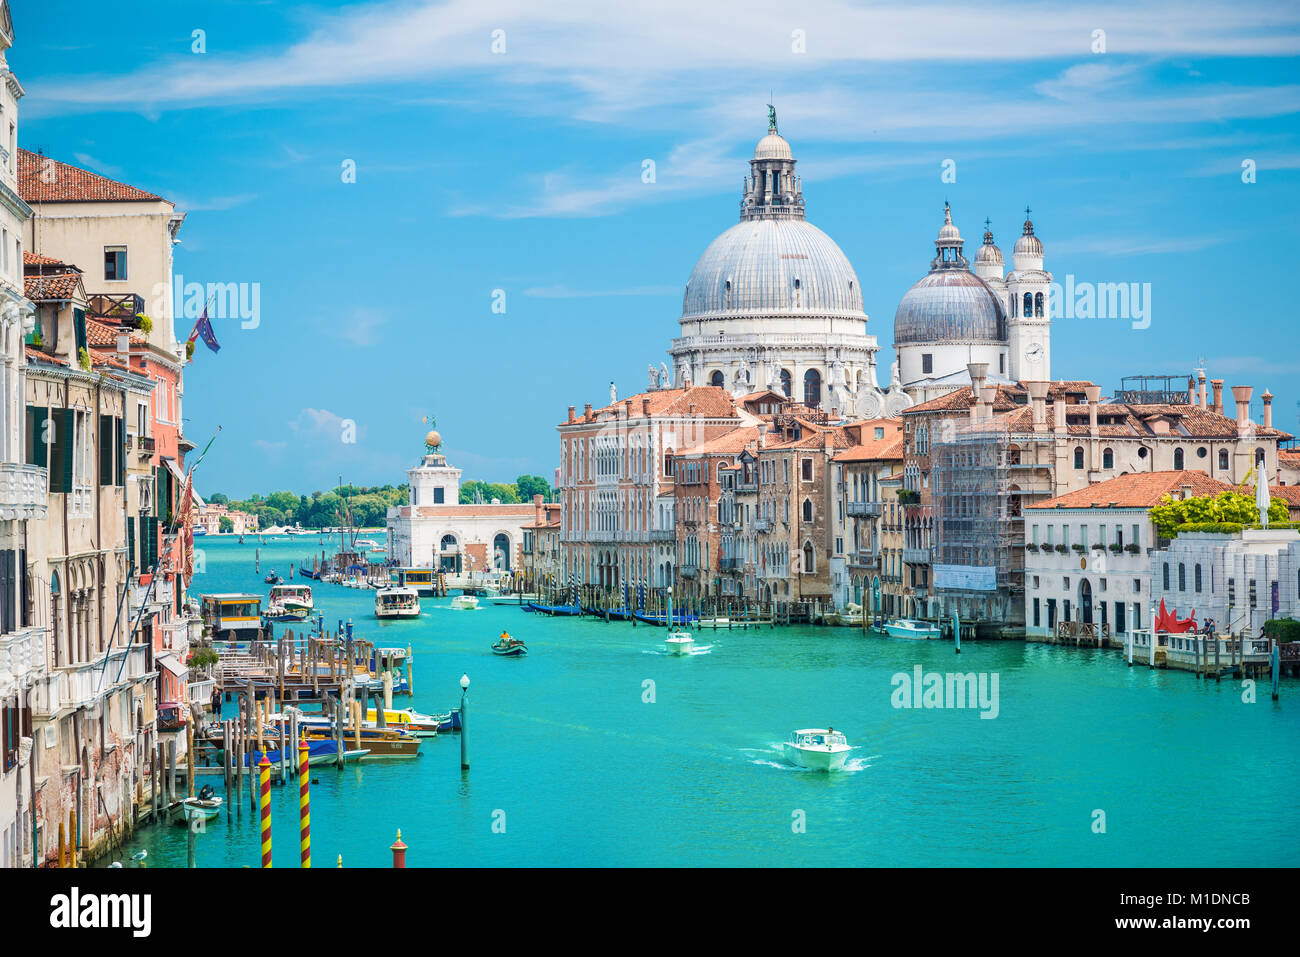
(1035, 352)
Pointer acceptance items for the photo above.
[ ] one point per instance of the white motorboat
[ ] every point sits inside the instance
(367, 544)
(911, 628)
(293, 601)
(680, 642)
(820, 749)
(464, 602)
(397, 602)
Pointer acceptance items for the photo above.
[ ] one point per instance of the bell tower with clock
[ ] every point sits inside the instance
(1029, 319)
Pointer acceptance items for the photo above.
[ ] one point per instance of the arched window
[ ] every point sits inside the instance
(1259, 457)
(1196, 577)
(1078, 457)
(717, 379)
(1182, 577)
(1038, 304)
(812, 388)
(807, 510)
(1165, 577)
(808, 564)
(785, 382)
(1178, 460)
(1108, 458)
(1223, 460)
(1029, 304)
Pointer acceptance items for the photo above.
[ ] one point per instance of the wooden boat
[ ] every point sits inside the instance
(204, 807)
(509, 648)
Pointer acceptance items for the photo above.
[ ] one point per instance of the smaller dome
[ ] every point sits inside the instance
(773, 146)
(433, 439)
(948, 233)
(1028, 244)
(989, 252)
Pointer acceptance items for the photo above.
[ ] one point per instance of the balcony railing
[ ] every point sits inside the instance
(689, 570)
(732, 564)
(123, 307)
(146, 443)
(864, 509)
(916, 556)
(763, 525)
(23, 491)
(75, 686)
(22, 652)
(864, 558)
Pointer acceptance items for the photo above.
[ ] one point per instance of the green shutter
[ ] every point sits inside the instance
(79, 324)
(37, 453)
(105, 450)
(66, 438)
(59, 450)
(119, 443)
(130, 543)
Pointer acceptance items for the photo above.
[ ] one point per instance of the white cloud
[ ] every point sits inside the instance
(561, 291)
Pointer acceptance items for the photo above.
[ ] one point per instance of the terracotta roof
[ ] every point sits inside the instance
(47, 288)
(709, 401)
(888, 449)
(36, 355)
(1289, 454)
(1288, 493)
(42, 179)
(33, 259)
(1136, 490)
(102, 334)
(729, 443)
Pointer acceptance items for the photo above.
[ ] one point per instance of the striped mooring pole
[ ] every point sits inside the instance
(399, 850)
(264, 769)
(304, 803)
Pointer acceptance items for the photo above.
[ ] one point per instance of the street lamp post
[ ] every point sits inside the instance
(464, 726)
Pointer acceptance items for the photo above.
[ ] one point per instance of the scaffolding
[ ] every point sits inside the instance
(980, 477)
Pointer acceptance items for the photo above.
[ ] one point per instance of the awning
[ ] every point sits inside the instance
(175, 667)
(198, 502)
(174, 469)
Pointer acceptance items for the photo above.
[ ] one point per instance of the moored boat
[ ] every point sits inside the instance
(820, 749)
(911, 628)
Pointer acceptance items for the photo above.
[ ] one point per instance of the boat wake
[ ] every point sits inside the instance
(773, 757)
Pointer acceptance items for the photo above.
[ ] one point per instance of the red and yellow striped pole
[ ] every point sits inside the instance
(264, 767)
(304, 802)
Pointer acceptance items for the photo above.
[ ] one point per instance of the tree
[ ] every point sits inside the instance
(526, 486)
(216, 498)
(225, 524)
(1227, 506)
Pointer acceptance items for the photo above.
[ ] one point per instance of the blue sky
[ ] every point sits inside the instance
(521, 171)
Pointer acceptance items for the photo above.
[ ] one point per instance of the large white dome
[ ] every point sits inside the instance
(773, 267)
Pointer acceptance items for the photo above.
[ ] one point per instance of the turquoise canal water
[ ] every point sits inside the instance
(583, 772)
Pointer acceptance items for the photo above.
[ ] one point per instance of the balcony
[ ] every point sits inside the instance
(863, 558)
(732, 565)
(22, 652)
(660, 535)
(123, 308)
(689, 570)
(23, 491)
(763, 525)
(75, 686)
(146, 444)
(864, 509)
(916, 556)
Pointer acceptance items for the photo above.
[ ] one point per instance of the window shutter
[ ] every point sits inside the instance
(79, 325)
(66, 442)
(7, 591)
(35, 441)
(23, 611)
(106, 450)
(51, 426)
(132, 564)
(119, 443)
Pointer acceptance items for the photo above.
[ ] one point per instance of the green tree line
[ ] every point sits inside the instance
(369, 504)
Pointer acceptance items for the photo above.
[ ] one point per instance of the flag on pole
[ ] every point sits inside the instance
(203, 329)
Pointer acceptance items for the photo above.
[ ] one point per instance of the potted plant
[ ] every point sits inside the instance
(1131, 548)
(1099, 547)
(1077, 547)
(1062, 549)
(1031, 547)
(189, 350)
(1116, 548)
(143, 323)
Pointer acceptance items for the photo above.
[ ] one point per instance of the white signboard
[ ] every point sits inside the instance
(965, 578)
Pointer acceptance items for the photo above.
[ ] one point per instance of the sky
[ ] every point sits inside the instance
(377, 176)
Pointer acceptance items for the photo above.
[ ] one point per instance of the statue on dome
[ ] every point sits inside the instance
(771, 118)
(653, 375)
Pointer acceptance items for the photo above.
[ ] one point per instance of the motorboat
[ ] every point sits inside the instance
(397, 602)
(911, 628)
(204, 807)
(289, 602)
(680, 642)
(464, 602)
(509, 647)
(367, 544)
(819, 749)
(411, 721)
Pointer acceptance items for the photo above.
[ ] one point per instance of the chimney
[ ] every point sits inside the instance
(1191, 391)
(539, 510)
(1093, 392)
(990, 396)
(1200, 375)
(1268, 409)
(627, 408)
(1038, 399)
(978, 371)
(571, 416)
(1241, 395)
(1217, 385)
(1058, 416)
(690, 409)
(586, 412)
(688, 383)
(645, 408)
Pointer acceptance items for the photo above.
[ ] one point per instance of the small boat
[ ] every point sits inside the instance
(198, 530)
(204, 807)
(290, 602)
(412, 721)
(397, 603)
(680, 642)
(911, 628)
(363, 544)
(821, 749)
(464, 602)
(272, 579)
(509, 647)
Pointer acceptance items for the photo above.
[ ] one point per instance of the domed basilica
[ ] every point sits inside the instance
(774, 303)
